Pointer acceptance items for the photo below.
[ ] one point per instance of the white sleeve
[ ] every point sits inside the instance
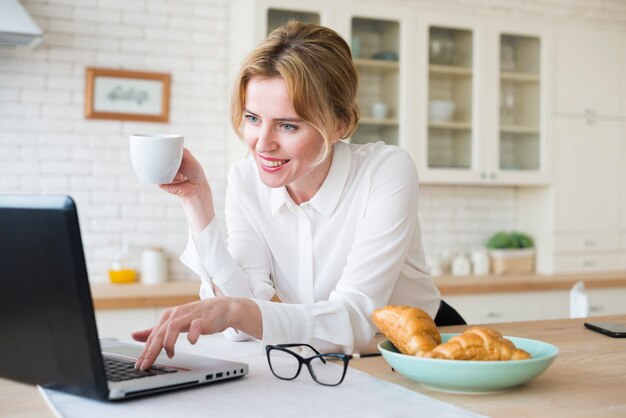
(240, 268)
(381, 244)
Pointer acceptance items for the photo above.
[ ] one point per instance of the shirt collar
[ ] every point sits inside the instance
(327, 197)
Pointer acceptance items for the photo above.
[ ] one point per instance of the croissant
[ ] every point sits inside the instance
(411, 330)
(478, 343)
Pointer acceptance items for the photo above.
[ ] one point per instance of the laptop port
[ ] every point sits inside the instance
(218, 375)
(209, 377)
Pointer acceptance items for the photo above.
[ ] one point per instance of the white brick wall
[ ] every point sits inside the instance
(46, 145)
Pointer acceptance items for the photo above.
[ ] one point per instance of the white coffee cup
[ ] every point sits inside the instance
(156, 157)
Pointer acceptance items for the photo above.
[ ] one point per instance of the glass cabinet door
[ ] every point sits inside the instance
(278, 17)
(375, 50)
(519, 132)
(450, 84)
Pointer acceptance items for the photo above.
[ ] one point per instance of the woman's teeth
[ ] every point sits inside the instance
(268, 163)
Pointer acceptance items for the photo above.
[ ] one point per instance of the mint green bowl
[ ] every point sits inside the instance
(459, 376)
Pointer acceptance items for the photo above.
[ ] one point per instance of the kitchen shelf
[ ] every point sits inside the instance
(453, 70)
(371, 63)
(519, 129)
(379, 121)
(519, 77)
(450, 125)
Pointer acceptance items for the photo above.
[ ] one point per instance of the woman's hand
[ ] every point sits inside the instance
(192, 186)
(190, 179)
(207, 316)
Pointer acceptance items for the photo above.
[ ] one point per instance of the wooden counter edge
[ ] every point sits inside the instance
(457, 285)
(136, 295)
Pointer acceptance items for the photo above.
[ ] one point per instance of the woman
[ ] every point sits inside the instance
(329, 228)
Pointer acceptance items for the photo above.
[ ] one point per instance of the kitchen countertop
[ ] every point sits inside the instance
(135, 295)
(584, 380)
(458, 285)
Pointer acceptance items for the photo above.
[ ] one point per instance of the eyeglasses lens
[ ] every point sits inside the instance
(284, 365)
(328, 371)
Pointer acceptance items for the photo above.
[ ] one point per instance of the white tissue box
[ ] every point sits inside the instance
(512, 261)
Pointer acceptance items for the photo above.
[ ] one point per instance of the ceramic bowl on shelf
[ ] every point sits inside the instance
(441, 110)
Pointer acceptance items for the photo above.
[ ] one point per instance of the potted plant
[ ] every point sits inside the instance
(511, 252)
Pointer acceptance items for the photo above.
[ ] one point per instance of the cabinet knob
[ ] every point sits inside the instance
(596, 308)
(590, 116)
(588, 243)
(589, 263)
(492, 314)
(492, 176)
(483, 175)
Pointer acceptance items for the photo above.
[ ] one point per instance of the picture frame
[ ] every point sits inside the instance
(126, 95)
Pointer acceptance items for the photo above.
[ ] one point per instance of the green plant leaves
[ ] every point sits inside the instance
(511, 239)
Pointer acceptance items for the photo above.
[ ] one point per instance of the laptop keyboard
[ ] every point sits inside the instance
(118, 370)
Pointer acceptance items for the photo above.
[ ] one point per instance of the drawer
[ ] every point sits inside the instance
(607, 301)
(508, 307)
(587, 263)
(586, 242)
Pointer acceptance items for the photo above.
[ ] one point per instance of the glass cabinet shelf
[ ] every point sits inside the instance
(450, 70)
(519, 77)
(377, 64)
(375, 45)
(378, 121)
(450, 125)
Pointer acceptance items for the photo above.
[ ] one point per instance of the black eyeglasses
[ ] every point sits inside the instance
(326, 369)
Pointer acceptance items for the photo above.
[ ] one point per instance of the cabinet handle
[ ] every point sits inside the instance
(589, 263)
(596, 308)
(492, 176)
(590, 116)
(492, 314)
(588, 243)
(483, 175)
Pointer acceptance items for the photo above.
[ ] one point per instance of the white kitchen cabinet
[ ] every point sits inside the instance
(588, 166)
(576, 221)
(119, 323)
(490, 308)
(582, 86)
(510, 306)
(376, 35)
(408, 59)
(610, 301)
(496, 79)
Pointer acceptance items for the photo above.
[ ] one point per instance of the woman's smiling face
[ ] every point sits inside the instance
(284, 146)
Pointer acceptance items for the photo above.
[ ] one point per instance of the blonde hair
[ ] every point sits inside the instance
(316, 65)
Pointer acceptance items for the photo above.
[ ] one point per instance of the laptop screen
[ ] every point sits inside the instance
(48, 334)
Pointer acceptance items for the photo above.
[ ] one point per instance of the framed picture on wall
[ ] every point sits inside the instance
(126, 95)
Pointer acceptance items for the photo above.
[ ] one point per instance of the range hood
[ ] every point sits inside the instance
(16, 25)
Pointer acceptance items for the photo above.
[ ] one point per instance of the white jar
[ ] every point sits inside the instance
(153, 266)
(461, 265)
(480, 262)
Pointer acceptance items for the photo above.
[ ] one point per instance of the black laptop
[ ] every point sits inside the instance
(48, 333)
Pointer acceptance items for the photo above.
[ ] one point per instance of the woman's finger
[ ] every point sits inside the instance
(172, 330)
(164, 317)
(142, 336)
(153, 349)
(195, 329)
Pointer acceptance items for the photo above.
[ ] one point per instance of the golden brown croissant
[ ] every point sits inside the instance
(478, 343)
(411, 330)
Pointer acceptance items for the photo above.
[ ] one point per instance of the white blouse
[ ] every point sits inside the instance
(354, 247)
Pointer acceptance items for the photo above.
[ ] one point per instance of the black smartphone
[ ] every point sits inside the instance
(612, 329)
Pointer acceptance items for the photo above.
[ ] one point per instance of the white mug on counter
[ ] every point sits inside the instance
(156, 157)
(153, 266)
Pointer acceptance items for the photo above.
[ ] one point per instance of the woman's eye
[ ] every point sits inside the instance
(289, 127)
(252, 118)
